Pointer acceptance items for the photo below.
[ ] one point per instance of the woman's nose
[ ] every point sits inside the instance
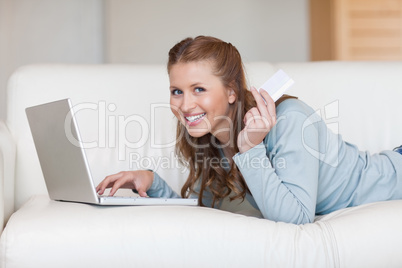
(188, 103)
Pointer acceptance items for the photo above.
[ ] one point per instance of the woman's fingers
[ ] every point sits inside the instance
(142, 193)
(140, 180)
(270, 104)
(255, 122)
(116, 186)
(262, 107)
(247, 117)
(266, 106)
(251, 116)
(258, 121)
(115, 180)
(106, 183)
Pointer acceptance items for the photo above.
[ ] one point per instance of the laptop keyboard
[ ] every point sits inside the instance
(119, 197)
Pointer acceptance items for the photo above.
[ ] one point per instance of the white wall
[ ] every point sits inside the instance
(62, 31)
(142, 31)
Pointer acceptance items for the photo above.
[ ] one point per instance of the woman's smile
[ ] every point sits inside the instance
(194, 119)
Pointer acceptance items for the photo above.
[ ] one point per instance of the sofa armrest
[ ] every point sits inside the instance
(7, 168)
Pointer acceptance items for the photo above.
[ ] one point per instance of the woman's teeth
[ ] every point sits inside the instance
(195, 117)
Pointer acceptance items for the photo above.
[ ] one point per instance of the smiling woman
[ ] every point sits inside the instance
(215, 67)
(239, 144)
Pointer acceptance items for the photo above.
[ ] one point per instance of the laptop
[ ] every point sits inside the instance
(64, 163)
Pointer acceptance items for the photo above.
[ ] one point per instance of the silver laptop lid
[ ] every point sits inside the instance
(63, 161)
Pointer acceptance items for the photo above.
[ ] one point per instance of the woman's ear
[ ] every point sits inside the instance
(232, 96)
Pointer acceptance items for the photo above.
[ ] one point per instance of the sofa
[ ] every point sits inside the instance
(125, 121)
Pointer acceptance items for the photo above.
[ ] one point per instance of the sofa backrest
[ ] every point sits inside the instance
(361, 100)
(125, 119)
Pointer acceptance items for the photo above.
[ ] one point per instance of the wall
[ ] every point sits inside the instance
(142, 31)
(51, 31)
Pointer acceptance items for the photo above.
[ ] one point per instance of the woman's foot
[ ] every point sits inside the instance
(398, 149)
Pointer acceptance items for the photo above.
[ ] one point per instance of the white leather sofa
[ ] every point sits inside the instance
(124, 117)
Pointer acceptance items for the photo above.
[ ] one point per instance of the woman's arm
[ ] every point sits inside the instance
(284, 185)
(160, 188)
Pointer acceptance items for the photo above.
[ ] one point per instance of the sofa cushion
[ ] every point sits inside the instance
(45, 233)
(368, 235)
(61, 234)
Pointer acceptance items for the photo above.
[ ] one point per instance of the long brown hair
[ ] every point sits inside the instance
(228, 66)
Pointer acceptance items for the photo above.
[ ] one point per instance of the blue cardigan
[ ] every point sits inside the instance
(302, 169)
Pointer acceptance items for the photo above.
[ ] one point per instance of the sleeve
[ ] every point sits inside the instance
(281, 173)
(160, 188)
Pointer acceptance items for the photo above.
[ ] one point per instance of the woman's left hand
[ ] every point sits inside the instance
(258, 121)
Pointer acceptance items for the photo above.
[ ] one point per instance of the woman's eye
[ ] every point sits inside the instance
(176, 92)
(199, 89)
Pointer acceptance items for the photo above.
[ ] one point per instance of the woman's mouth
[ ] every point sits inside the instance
(194, 119)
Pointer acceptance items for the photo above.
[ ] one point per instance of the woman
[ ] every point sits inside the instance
(239, 144)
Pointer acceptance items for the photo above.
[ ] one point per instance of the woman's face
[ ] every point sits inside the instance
(200, 101)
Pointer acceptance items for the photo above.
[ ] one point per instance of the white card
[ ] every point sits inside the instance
(277, 85)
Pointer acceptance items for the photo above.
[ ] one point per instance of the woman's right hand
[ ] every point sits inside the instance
(139, 180)
(258, 121)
